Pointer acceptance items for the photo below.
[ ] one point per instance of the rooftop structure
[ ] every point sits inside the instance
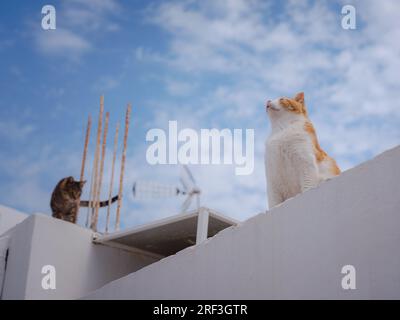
(297, 250)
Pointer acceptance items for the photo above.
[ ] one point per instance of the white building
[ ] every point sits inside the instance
(295, 251)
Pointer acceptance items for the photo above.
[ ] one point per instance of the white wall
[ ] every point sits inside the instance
(9, 218)
(81, 266)
(295, 251)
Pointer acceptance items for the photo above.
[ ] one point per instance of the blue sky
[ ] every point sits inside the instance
(207, 64)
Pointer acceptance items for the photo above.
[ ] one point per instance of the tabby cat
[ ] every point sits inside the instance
(65, 199)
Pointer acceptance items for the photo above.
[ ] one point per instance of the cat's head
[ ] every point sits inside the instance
(287, 107)
(74, 188)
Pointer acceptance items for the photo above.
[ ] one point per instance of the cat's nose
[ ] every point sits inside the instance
(269, 104)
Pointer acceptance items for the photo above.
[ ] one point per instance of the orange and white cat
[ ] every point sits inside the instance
(294, 160)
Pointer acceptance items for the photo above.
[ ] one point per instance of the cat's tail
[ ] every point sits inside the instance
(101, 203)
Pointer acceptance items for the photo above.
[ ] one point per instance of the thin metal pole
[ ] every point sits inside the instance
(121, 178)
(112, 175)
(88, 127)
(85, 148)
(96, 158)
(103, 154)
(90, 197)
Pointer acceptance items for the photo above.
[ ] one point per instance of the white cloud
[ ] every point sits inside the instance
(33, 175)
(179, 88)
(106, 83)
(79, 24)
(12, 130)
(91, 15)
(62, 42)
(234, 55)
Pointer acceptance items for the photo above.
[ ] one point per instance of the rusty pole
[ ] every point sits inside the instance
(96, 158)
(112, 175)
(85, 148)
(121, 178)
(100, 178)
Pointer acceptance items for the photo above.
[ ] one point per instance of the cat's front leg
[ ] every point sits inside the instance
(304, 160)
(308, 175)
(274, 197)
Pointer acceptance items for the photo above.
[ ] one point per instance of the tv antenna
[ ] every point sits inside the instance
(150, 190)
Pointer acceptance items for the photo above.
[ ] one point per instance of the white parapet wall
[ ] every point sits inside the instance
(9, 218)
(80, 266)
(295, 251)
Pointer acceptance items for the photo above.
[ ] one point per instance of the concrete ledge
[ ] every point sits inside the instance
(80, 265)
(9, 218)
(295, 251)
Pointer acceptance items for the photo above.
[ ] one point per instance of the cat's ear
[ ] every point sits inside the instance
(70, 179)
(299, 97)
